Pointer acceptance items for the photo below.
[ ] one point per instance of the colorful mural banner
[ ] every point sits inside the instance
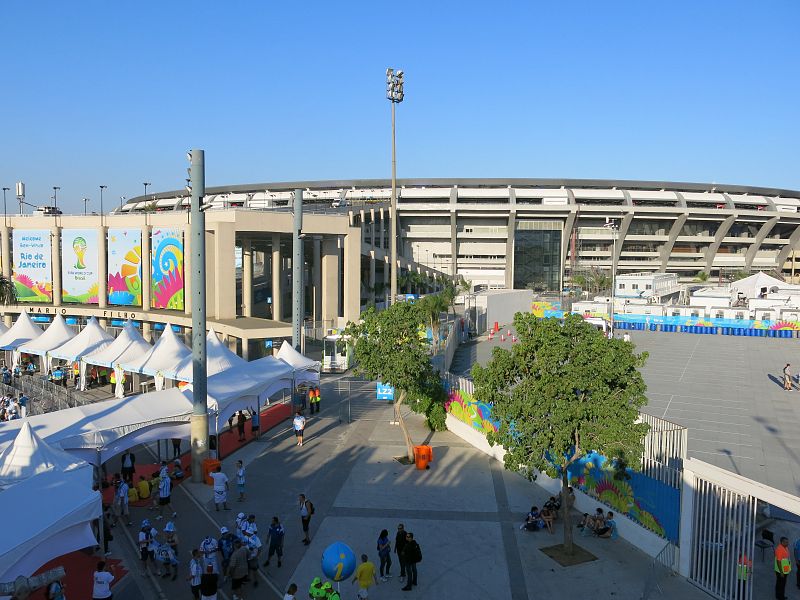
(80, 265)
(548, 309)
(167, 268)
(124, 267)
(32, 253)
(649, 502)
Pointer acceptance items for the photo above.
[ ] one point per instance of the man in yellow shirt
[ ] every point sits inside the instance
(365, 575)
(143, 488)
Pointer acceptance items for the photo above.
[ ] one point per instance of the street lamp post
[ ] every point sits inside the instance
(612, 226)
(5, 213)
(85, 202)
(102, 187)
(394, 93)
(55, 195)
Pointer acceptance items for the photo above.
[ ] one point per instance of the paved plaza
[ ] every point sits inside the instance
(465, 513)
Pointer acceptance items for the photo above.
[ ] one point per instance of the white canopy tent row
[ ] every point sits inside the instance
(128, 346)
(218, 358)
(159, 362)
(306, 370)
(23, 330)
(92, 338)
(56, 491)
(57, 334)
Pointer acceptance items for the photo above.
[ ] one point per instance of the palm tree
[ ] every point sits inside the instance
(8, 291)
(432, 306)
(701, 276)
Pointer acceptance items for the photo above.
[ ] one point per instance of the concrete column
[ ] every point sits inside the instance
(352, 274)
(247, 279)
(381, 232)
(316, 279)
(372, 228)
(246, 348)
(147, 331)
(372, 277)
(55, 237)
(512, 224)
(102, 275)
(330, 282)
(453, 244)
(385, 278)
(187, 271)
(224, 260)
(5, 251)
(276, 276)
(686, 533)
(147, 270)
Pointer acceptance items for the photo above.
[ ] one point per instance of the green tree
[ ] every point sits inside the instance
(8, 291)
(432, 306)
(701, 276)
(562, 391)
(388, 347)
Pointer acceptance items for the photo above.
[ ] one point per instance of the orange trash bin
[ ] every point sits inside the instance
(422, 456)
(209, 466)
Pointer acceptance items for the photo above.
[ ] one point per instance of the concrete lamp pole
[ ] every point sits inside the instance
(199, 420)
(394, 93)
(102, 187)
(298, 310)
(614, 229)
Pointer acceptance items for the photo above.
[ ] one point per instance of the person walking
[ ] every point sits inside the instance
(101, 581)
(220, 488)
(23, 405)
(176, 448)
(783, 567)
(365, 576)
(399, 544)
(122, 501)
(253, 552)
(209, 584)
(238, 569)
(412, 555)
(385, 554)
(255, 421)
(146, 551)
(195, 574)
(313, 399)
(240, 421)
(165, 495)
(787, 377)
(275, 538)
(290, 592)
(744, 567)
(240, 480)
(306, 511)
(299, 424)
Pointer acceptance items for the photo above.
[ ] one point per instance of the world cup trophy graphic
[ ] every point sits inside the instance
(79, 247)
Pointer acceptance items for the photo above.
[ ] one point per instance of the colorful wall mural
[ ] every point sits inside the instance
(32, 265)
(651, 503)
(125, 267)
(80, 265)
(167, 268)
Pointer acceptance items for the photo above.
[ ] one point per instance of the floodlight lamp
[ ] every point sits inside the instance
(189, 156)
(400, 74)
(189, 189)
(389, 73)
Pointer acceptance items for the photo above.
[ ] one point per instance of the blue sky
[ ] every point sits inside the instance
(115, 93)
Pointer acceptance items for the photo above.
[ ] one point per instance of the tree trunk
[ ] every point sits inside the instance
(566, 507)
(398, 416)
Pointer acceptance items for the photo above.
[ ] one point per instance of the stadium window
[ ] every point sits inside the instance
(622, 286)
(719, 314)
(739, 316)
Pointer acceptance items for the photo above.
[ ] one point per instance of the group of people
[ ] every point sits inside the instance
(313, 399)
(12, 408)
(600, 524)
(542, 519)
(409, 555)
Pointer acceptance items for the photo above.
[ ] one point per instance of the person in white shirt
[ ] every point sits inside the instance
(299, 424)
(220, 488)
(240, 479)
(290, 592)
(208, 548)
(195, 572)
(101, 581)
(121, 500)
(164, 496)
(146, 549)
(626, 337)
(253, 550)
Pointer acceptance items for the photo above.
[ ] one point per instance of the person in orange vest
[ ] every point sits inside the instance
(310, 400)
(744, 566)
(783, 566)
(313, 395)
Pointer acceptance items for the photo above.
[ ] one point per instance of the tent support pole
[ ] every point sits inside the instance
(100, 522)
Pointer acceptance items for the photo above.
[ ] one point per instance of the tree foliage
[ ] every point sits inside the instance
(563, 391)
(8, 291)
(431, 308)
(388, 347)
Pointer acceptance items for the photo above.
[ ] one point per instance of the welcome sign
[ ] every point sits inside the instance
(32, 265)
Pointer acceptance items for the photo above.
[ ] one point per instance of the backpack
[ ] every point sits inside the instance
(226, 546)
(309, 507)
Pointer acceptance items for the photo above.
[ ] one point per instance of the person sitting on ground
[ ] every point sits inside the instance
(609, 528)
(553, 504)
(133, 494)
(585, 521)
(547, 518)
(143, 488)
(177, 472)
(532, 520)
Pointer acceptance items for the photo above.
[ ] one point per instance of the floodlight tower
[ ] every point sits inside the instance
(394, 93)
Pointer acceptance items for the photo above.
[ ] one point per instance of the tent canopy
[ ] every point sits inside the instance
(29, 455)
(163, 357)
(57, 334)
(22, 331)
(129, 346)
(92, 338)
(218, 358)
(306, 369)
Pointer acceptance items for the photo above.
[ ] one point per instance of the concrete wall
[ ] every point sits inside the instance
(502, 305)
(645, 540)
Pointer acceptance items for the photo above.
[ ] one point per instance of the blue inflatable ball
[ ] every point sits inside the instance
(338, 561)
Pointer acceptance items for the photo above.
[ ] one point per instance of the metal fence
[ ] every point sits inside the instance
(664, 450)
(661, 567)
(44, 396)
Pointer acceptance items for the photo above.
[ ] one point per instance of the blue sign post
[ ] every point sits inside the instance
(383, 391)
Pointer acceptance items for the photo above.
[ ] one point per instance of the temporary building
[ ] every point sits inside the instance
(92, 338)
(218, 358)
(57, 334)
(129, 346)
(101, 430)
(21, 332)
(161, 361)
(55, 490)
(306, 370)
(29, 455)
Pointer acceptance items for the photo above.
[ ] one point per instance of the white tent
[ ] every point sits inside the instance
(3, 328)
(162, 359)
(129, 346)
(104, 429)
(28, 456)
(306, 369)
(218, 358)
(22, 331)
(92, 338)
(57, 513)
(57, 334)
